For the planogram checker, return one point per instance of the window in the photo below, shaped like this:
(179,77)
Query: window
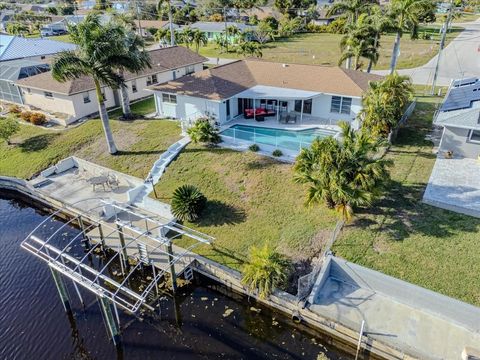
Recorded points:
(341,105)
(474,136)
(168,98)
(48,94)
(190,69)
(134,86)
(152,79)
(307,106)
(86,98)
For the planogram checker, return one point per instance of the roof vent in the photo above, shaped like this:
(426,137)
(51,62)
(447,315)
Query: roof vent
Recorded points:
(284,65)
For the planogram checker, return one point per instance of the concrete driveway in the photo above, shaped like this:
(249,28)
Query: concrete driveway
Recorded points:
(460,59)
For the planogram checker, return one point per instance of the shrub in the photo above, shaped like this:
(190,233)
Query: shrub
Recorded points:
(25,116)
(204,132)
(254,147)
(15,109)
(266,270)
(277,153)
(188,203)
(8,127)
(38,118)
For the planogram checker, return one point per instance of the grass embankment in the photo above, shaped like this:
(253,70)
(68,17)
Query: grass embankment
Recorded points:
(402,237)
(252,200)
(324,49)
(140,143)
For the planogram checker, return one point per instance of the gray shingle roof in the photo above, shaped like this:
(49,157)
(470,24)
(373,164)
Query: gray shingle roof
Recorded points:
(15,47)
(464,118)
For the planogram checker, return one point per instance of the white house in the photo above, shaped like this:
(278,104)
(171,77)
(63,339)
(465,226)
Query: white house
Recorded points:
(76,99)
(459,115)
(256,90)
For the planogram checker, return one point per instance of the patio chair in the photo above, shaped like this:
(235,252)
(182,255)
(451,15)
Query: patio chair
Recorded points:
(292,119)
(283,119)
(112,181)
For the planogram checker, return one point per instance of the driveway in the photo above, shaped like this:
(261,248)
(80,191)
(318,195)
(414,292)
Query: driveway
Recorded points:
(460,59)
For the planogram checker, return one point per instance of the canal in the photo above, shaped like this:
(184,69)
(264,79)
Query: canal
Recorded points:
(206,321)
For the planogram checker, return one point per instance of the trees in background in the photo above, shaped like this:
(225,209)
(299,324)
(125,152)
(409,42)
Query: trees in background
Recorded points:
(199,39)
(16,28)
(8,127)
(345,173)
(186,36)
(249,48)
(384,104)
(265,270)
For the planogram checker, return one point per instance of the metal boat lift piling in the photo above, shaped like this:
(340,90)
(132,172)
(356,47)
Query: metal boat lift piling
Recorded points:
(138,239)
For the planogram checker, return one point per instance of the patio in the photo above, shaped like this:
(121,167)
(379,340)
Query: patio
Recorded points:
(455,185)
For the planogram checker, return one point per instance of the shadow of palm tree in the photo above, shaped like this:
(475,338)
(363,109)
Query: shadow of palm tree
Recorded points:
(36,143)
(218,213)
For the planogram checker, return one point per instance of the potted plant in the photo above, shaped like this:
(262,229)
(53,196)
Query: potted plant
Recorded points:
(449,154)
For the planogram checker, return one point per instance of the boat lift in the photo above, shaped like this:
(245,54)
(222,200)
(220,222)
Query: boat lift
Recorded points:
(138,239)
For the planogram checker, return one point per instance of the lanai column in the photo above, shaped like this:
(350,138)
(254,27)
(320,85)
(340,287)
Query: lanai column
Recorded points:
(301,113)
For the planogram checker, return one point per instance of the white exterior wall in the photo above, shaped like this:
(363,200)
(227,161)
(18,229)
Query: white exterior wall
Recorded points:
(187,107)
(456,140)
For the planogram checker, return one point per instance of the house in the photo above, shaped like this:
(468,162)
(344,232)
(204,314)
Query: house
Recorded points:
(214,29)
(148,26)
(35,49)
(315,94)
(459,115)
(6,16)
(76,99)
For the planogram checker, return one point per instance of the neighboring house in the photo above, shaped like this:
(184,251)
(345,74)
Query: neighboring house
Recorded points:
(6,16)
(11,71)
(261,12)
(214,29)
(318,93)
(323,18)
(62,23)
(76,99)
(35,49)
(459,115)
(145,25)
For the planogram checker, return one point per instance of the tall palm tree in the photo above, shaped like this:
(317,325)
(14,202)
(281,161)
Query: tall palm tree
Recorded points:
(379,22)
(405,14)
(230,32)
(343,173)
(134,46)
(165,6)
(199,38)
(351,9)
(99,55)
(162,35)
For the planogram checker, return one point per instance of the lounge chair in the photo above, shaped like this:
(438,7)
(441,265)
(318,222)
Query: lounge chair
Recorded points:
(112,181)
(292,119)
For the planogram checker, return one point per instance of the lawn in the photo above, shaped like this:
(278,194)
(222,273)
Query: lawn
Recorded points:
(407,239)
(323,49)
(252,200)
(140,143)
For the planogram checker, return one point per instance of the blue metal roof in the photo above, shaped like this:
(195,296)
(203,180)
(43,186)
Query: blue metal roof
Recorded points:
(462,94)
(15,47)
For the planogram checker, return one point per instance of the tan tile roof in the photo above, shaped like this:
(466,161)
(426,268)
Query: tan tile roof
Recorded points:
(162,60)
(224,81)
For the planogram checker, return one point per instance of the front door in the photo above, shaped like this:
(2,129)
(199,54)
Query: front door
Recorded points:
(227,104)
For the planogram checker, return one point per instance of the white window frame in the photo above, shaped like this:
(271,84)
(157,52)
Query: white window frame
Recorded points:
(48,94)
(134,86)
(341,104)
(190,69)
(86,98)
(167,98)
(470,134)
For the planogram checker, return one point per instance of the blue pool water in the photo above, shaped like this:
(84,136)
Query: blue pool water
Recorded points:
(281,138)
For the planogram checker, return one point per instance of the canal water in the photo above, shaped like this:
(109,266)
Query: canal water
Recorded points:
(206,321)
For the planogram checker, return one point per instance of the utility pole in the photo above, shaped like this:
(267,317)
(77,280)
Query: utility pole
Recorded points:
(170,23)
(138,18)
(442,45)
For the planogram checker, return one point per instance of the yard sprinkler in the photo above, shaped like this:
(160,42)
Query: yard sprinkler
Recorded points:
(150,180)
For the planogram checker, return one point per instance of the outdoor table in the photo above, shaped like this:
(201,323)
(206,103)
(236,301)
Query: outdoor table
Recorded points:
(98,180)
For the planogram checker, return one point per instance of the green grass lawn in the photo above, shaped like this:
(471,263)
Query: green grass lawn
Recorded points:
(252,200)
(140,143)
(323,49)
(407,239)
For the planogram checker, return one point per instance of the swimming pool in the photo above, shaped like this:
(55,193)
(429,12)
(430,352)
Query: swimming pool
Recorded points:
(278,138)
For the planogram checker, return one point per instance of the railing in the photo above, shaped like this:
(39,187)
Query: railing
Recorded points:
(258,137)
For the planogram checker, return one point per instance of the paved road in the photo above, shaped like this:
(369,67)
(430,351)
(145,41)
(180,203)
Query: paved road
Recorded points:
(461,58)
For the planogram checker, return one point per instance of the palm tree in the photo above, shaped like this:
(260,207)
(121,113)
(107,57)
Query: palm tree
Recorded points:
(165,6)
(100,54)
(204,132)
(229,34)
(199,38)
(351,9)
(17,28)
(186,36)
(162,35)
(134,46)
(265,270)
(379,22)
(384,104)
(358,42)
(249,48)
(405,14)
(343,173)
